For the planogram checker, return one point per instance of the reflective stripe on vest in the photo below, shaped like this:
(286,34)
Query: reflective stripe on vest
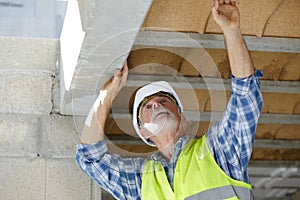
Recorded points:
(196,176)
(225,192)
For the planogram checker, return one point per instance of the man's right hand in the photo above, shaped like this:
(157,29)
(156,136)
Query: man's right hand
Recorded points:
(113,86)
(93,131)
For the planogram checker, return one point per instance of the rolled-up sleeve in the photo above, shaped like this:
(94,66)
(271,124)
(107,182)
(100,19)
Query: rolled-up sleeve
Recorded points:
(90,152)
(231,138)
(119,176)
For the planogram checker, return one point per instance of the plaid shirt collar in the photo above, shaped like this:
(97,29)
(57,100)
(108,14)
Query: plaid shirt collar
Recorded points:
(178,147)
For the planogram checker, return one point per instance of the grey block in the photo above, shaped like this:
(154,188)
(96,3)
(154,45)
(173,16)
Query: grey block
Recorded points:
(28,53)
(26,93)
(66,181)
(22,179)
(18,135)
(59,136)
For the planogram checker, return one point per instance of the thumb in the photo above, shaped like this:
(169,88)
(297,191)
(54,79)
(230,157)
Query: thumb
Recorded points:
(215,7)
(215,4)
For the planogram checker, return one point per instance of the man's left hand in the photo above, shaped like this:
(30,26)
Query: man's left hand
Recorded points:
(226,14)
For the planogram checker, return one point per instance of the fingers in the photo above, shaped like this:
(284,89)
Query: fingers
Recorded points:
(220,6)
(232,2)
(120,76)
(220,2)
(122,73)
(125,69)
(117,77)
(125,72)
(215,3)
(227,2)
(116,83)
(215,7)
(117,73)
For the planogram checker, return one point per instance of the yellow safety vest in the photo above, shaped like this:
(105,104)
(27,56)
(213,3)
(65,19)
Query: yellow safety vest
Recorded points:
(196,176)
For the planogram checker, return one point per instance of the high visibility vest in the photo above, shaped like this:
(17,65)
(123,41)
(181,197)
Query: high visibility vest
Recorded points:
(196,176)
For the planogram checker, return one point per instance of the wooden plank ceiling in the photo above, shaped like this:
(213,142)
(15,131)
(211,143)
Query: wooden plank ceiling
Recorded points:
(274,18)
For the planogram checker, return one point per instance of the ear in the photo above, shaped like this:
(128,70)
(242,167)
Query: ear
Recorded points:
(183,117)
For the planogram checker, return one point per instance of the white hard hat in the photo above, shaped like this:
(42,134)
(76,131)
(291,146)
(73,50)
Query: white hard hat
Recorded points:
(146,91)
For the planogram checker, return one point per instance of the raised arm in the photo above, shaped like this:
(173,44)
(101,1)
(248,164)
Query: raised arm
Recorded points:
(231,138)
(226,15)
(93,130)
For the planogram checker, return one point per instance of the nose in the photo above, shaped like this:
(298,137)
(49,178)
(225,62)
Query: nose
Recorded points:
(155,104)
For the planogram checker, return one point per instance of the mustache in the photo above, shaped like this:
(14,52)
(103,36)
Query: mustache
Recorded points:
(158,111)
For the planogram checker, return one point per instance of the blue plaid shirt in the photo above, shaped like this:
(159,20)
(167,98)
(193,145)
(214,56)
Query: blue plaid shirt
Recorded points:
(230,141)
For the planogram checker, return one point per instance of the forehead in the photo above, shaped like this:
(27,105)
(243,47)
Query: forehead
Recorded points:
(157,96)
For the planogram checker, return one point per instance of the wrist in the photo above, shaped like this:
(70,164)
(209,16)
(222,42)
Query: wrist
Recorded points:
(231,31)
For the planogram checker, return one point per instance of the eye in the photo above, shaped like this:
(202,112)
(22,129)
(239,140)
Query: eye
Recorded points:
(163,101)
(148,106)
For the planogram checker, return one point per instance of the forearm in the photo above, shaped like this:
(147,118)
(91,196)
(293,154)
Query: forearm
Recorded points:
(241,63)
(93,130)
(226,15)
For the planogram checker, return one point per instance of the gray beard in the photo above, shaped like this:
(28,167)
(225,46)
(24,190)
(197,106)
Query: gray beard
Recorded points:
(157,126)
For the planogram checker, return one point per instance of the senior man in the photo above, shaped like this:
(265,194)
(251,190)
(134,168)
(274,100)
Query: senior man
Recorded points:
(212,167)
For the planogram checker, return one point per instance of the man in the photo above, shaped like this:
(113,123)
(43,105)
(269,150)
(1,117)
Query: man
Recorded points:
(212,167)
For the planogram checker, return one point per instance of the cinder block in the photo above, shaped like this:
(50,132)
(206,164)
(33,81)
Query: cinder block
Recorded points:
(22,178)
(98,193)
(26,93)
(56,94)
(59,136)
(66,181)
(2,81)
(28,53)
(18,135)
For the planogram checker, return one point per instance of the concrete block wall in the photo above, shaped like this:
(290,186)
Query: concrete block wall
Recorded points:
(37,144)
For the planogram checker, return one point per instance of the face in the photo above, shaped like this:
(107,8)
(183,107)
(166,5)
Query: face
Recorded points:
(159,115)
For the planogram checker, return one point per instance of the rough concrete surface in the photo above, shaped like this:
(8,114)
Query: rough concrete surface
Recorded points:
(37,144)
